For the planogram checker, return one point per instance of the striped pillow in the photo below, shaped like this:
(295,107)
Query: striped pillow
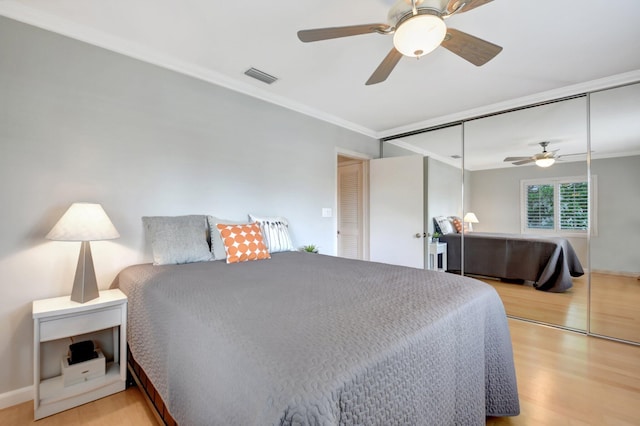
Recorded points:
(275,231)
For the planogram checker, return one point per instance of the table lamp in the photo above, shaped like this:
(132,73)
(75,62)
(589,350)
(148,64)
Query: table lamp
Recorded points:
(84,222)
(470,218)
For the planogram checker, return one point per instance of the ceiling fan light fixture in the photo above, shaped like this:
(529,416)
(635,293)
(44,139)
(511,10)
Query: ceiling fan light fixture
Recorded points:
(419,35)
(545,162)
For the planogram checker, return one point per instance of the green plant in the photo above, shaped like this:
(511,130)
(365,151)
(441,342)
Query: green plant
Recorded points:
(311,248)
(436,235)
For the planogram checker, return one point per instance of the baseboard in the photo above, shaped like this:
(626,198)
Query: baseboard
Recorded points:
(15,397)
(618,273)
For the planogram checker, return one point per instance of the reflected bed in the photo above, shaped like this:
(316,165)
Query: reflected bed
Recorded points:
(548,262)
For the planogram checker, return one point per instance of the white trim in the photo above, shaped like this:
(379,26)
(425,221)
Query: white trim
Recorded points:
(617,273)
(352,154)
(15,397)
(575,89)
(33,16)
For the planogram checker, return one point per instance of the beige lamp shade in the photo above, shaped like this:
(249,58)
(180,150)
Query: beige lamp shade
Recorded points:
(83,222)
(470,218)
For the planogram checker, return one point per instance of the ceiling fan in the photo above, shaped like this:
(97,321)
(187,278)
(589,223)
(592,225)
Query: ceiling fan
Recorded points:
(543,159)
(417,30)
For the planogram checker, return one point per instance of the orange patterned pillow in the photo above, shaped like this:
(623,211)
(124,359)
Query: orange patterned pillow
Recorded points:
(243,242)
(457,223)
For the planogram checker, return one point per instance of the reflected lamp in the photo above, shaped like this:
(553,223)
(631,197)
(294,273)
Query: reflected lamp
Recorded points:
(470,218)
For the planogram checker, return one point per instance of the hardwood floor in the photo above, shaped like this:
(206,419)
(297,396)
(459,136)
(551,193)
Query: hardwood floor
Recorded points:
(614,310)
(614,307)
(564,378)
(568,309)
(127,408)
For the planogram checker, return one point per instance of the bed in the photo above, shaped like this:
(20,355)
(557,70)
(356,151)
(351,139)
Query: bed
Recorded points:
(312,339)
(550,263)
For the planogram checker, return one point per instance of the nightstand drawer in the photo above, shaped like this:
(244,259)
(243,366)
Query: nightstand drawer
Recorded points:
(70,325)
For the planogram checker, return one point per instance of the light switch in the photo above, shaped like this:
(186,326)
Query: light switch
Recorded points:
(326,212)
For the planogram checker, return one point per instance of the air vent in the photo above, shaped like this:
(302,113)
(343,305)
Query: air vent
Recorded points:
(261,75)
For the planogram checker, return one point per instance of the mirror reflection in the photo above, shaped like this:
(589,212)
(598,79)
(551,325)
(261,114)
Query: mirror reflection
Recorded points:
(615,241)
(442,182)
(528,192)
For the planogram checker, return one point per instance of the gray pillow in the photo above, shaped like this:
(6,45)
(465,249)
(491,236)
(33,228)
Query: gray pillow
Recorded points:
(217,246)
(177,239)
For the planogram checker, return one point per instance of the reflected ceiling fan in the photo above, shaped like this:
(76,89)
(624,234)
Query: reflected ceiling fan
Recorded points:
(417,30)
(543,159)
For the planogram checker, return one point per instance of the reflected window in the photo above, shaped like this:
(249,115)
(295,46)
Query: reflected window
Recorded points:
(556,206)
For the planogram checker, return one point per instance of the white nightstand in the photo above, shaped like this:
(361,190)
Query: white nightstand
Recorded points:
(60,318)
(434,250)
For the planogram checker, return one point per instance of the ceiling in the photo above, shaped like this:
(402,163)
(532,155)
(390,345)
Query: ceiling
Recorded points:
(551,49)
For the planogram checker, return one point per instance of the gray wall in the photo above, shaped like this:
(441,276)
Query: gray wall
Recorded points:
(616,248)
(444,194)
(79,123)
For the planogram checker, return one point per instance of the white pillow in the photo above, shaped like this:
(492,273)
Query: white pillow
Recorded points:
(275,231)
(217,245)
(445,225)
(177,239)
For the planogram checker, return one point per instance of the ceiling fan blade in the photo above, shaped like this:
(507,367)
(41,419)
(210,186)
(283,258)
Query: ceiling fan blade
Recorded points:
(470,48)
(571,155)
(337,32)
(512,159)
(470,5)
(384,69)
(527,161)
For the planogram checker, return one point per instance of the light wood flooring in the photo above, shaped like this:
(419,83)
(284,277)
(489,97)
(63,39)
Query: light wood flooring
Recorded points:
(614,305)
(564,378)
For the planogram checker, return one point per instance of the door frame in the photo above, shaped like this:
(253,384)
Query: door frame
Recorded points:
(364,159)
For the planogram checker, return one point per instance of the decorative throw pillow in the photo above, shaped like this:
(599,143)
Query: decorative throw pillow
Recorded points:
(444,224)
(177,239)
(457,223)
(217,246)
(275,231)
(243,242)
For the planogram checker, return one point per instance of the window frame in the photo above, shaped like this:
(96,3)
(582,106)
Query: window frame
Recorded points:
(556,182)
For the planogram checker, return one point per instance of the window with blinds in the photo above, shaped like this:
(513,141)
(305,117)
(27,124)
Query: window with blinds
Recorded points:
(559,205)
(574,206)
(540,207)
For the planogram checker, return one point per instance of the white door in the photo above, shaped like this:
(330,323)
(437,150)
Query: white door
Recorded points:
(350,208)
(396,209)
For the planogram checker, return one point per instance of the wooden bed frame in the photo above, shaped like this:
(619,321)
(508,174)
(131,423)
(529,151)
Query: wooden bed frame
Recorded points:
(152,397)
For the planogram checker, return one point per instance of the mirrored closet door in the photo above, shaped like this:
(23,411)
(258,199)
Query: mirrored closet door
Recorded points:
(615,239)
(519,197)
(441,152)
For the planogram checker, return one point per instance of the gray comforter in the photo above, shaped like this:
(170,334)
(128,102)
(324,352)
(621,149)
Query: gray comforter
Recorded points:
(311,339)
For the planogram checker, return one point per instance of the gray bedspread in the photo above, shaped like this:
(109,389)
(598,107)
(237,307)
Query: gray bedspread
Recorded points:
(548,262)
(306,339)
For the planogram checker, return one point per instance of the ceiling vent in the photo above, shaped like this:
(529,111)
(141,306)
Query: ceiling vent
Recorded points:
(261,75)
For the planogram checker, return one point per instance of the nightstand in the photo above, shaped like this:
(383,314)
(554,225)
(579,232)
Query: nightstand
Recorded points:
(60,318)
(436,249)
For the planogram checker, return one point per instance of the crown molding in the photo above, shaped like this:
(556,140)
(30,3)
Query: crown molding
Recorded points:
(32,16)
(49,22)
